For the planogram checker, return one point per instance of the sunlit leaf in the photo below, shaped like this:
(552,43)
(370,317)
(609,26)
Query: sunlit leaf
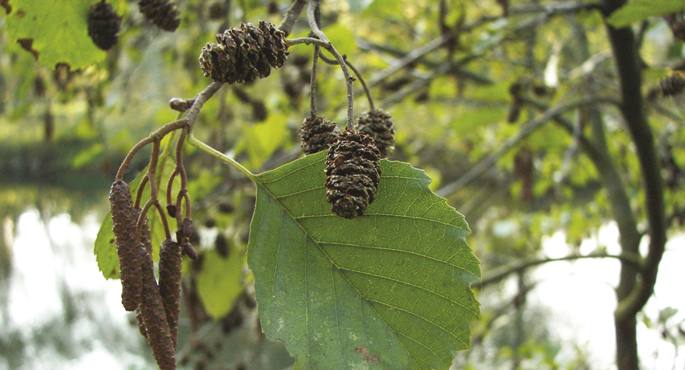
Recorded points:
(59,32)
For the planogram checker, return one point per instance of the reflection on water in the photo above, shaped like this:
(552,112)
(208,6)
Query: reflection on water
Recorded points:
(57,311)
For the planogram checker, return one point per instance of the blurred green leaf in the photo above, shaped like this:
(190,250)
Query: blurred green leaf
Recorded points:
(218,282)
(637,10)
(59,31)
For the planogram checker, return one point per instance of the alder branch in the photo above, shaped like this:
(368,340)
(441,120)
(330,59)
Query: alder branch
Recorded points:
(498,274)
(291,16)
(311,18)
(357,74)
(528,128)
(632,107)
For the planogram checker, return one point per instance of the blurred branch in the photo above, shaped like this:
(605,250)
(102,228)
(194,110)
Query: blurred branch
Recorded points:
(291,16)
(632,107)
(498,274)
(457,70)
(528,128)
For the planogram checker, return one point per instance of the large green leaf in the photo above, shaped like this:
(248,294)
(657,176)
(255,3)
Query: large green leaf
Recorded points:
(637,10)
(58,30)
(386,290)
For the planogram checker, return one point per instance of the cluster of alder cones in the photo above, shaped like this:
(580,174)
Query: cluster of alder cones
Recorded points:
(104,23)
(248,52)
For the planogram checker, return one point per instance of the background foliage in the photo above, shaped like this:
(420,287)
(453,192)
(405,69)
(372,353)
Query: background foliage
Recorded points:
(67,118)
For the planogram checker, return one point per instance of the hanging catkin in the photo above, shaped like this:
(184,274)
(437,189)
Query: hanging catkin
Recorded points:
(124,218)
(155,319)
(170,282)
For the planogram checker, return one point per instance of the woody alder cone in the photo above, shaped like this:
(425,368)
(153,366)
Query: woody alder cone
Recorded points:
(316,134)
(124,218)
(245,53)
(352,173)
(103,25)
(673,84)
(378,124)
(162,13)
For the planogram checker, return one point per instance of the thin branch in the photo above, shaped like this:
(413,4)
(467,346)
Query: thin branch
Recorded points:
(357,74)
(155,135)
(199,101)
(486,163)
(311,17)
(291,16)
(312,81)
(499,274)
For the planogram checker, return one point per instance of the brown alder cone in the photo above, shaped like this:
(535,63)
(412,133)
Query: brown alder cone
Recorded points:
(162,13)
(103,25)
(378,124)
(316,134)
(124,218)
(245,53)
(352,173)
(170,282)
(155,319)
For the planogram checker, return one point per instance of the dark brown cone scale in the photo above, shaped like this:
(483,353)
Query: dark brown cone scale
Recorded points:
(124,218)
(352,173)
(155,319)
(170,282)
(162,13)
(378,124)
(245,53)
(103,25)
(316,134)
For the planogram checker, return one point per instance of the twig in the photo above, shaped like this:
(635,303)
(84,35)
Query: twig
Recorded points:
(499,274)
(312,82)
(200,100)
(291,16)
(155,135)
(311,17)
(357,74)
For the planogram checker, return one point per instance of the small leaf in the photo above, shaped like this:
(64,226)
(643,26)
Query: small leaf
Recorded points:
(58,32)
(387,290)
(105,250)
(637,10)
(218,283)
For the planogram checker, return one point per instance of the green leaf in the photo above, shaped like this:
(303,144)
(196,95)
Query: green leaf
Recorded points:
(637,10)
(387,290)
(105,251)
(59,31)
(218,283)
